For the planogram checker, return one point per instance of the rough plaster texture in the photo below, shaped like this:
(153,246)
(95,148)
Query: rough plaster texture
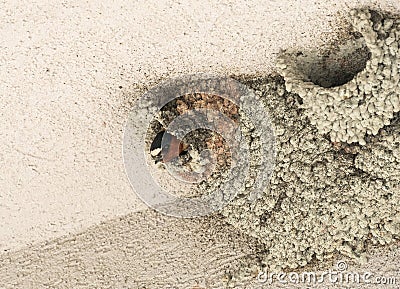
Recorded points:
(66,71)
(62,111)
(145,250)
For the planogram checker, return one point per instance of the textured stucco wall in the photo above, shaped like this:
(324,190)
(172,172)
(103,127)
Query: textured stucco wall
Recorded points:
(66,72)
(61,69)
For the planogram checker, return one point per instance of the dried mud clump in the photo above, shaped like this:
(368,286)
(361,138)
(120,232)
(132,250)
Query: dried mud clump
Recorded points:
(335,185)
(381,157)
(323,199)
(354,91)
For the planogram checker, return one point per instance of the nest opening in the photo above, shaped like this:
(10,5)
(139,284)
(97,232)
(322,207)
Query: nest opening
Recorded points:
(336,67)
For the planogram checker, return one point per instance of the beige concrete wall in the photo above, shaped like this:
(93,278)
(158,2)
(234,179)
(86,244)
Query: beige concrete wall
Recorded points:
(66,72)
